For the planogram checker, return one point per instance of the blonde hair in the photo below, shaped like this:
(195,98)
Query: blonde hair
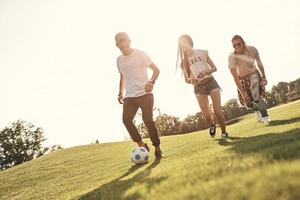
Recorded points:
(121,34)
(182,61)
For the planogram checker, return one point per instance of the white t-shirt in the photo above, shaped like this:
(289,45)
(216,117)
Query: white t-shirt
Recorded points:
(245,63)
(133,68)
(198,63)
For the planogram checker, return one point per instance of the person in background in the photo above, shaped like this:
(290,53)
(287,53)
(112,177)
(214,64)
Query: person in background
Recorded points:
(250,80)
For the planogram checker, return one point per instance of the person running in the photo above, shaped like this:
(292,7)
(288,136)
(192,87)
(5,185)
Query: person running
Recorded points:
(132,65)
(249,79)
(197,68)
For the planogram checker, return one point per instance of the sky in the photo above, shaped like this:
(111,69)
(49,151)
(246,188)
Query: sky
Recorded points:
(58,58)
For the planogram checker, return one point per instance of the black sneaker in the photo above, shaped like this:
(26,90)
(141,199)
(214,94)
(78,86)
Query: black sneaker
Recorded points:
(224,135)
(212,130)
(146,147)
(158,154)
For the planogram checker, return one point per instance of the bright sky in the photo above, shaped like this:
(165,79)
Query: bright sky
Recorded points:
(58,58)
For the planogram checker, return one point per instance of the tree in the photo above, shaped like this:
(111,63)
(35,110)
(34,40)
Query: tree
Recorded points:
(20,143)
(51,149)
(271,99)
(297,86)
(281,91)
(191,123)
(168,125)
(232,109)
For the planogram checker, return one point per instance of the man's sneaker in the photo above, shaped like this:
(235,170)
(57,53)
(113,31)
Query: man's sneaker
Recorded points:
(266,120)
(258,116)
(158,154)
(212,130)
(146,147)
(224,135)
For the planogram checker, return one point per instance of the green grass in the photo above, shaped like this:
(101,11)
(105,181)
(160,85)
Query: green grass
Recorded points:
(257,162)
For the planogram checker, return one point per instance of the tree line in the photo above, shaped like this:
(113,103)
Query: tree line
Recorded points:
(166,124)
(22,141)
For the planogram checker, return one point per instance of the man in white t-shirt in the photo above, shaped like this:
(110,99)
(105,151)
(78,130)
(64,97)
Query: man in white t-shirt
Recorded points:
(132,66)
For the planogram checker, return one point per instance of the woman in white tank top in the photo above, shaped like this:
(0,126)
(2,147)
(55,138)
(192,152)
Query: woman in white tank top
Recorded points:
(197,68)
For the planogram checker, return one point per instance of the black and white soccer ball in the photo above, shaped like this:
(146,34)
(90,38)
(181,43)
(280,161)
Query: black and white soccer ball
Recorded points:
(139,155)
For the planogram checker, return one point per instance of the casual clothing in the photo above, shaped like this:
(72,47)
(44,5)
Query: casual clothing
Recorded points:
(253,86)
(198,63)
(250,79)
(245,63)
(130,107)
(256,91)
(134,70)
(206,86)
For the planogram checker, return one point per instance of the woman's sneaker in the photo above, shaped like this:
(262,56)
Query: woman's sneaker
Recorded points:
(224,135)
(212,130)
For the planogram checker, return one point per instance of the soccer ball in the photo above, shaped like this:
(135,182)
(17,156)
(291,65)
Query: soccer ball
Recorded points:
(139,155)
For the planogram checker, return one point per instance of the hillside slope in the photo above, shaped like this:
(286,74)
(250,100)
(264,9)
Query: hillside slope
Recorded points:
(256,162)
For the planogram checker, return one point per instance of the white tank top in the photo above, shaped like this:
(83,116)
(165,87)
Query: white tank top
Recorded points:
(198,63)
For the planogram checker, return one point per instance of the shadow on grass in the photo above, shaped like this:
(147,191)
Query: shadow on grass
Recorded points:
(118,187)
(274,146)
(284,121)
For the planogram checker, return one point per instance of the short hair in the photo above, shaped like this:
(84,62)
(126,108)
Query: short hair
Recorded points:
(121,34)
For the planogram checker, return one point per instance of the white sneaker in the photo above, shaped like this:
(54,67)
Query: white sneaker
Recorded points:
(258,116)
(266,120)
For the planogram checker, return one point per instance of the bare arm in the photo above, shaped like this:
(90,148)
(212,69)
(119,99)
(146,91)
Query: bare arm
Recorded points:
(261,69)
(212,66)
(186,72)
(239,85)
(121,84)
(150,83)
(186,77)
(121,89)
(236,79)
(156,72)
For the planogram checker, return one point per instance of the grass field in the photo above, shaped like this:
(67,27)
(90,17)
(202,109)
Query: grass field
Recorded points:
(256,162)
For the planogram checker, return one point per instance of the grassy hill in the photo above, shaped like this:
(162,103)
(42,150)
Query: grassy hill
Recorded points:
(256,162)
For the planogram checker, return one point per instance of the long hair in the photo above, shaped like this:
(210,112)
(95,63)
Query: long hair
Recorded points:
(238,37)
(182,60)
